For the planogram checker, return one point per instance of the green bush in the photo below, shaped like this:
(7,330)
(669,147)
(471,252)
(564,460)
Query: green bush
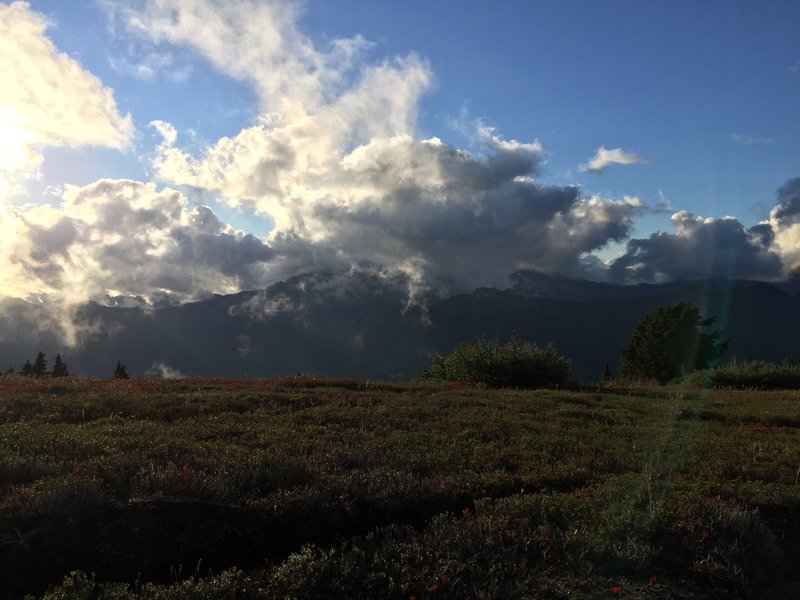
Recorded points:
(516,364)
(758,375)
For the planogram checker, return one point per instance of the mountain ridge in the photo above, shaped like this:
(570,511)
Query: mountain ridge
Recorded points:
(364,324)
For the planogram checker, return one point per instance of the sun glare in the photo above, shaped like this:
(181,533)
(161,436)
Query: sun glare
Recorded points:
(15,141)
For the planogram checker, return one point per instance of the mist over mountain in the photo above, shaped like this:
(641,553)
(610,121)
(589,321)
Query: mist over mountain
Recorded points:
(362,323)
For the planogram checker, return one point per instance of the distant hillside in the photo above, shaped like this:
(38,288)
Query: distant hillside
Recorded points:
(361,325)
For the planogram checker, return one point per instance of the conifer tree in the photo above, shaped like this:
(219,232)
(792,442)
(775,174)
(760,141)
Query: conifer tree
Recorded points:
(27,369)
(39,368)
(121,372)
(10,370)
(668,343)
(59,368)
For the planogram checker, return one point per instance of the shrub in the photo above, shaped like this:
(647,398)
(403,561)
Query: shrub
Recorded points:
(757,374)
(516,364)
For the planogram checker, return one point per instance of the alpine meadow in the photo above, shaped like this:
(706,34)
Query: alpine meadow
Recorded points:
(399,300)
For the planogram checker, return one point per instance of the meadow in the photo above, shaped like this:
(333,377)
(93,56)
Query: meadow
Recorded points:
(306,488)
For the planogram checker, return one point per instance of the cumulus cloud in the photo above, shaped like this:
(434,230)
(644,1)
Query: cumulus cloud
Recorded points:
(605,157)
(784,220)
(749,140)
(120,238)
(336,163)
(46,99)
(700,248)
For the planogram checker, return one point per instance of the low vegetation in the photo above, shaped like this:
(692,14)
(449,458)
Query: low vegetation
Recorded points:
(752,375)
(516,364)
(304,488)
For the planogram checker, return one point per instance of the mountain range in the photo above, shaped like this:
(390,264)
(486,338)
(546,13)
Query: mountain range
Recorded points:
(367,325)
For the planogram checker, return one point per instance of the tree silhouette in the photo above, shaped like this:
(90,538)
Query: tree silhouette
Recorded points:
(10,370)
(59,368)
(607,373)
(121,372)
(39,366)
(27,369)
(668,343)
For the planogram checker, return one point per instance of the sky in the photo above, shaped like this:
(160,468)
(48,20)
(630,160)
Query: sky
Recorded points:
(163,151)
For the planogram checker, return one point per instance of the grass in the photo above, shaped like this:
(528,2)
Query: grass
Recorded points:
(304,488)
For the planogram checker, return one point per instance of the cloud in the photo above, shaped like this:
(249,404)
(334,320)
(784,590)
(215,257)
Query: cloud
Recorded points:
(47,99)
(717,248)
(161,370)
(254,41)
(795,68)
(784,220)
(468,218)
(749,140)
(121,238)
(336,163)
(149,65)
(605,157)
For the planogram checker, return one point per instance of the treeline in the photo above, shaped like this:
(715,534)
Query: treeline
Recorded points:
(39,368)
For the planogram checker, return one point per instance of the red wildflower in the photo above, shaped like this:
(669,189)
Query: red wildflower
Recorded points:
(465,511)
(616,589)
(506,517)
(434,587)
(652,579)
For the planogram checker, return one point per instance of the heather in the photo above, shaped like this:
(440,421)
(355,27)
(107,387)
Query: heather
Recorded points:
(311,488)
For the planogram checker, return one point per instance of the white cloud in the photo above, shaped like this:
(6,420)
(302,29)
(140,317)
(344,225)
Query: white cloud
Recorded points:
(336,163)
(784,220)
(149,65)
(605,157)
(749,140)
(47,99)
(168,133)
(251,40)
(161,370)
(124,238)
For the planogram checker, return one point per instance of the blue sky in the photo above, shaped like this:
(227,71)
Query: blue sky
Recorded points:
(699,101)
(670,80)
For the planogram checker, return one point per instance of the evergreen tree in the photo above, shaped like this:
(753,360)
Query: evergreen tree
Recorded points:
(27,369)
(39,366)
(59,368)
(607,373)
(10,370)
(668,343)
(121,372)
